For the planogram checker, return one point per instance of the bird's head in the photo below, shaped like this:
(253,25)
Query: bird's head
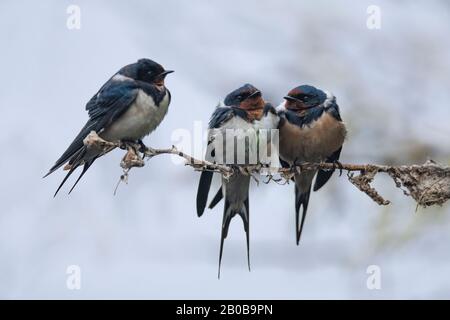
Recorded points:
(247,98)
(304,97)
(146,70)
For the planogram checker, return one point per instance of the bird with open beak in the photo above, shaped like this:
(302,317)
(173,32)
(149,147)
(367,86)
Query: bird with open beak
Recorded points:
(129,106)
(311,130)
(238,118)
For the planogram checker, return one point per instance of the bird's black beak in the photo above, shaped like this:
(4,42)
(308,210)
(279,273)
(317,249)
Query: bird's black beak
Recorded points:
(289,98)
(165,73)
(257,93)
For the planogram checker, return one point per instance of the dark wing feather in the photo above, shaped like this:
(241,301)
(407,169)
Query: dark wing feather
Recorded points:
(203,190)
(220,116)
(205,181)
(284,164)
(105,107)
(216,199)
(111,102)
(324,175)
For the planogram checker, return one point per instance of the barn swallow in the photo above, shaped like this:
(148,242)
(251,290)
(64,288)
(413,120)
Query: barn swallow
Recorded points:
(242,109)
(311,130)
(129,106)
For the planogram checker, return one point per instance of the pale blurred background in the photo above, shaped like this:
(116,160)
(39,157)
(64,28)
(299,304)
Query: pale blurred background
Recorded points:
(392,85)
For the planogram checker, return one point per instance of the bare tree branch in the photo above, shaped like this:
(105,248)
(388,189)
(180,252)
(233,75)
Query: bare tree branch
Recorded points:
(428,184)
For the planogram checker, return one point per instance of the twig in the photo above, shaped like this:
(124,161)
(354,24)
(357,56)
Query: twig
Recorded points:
(428,184)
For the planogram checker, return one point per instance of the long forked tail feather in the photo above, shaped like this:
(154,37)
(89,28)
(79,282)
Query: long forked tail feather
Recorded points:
(245,219)
(75,162)
(301,200)
(85,168)
(65,179)
(75,149)
(228,214)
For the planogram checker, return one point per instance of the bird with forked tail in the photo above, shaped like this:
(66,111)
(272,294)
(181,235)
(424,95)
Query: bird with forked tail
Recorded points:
(234,122)
(129,106)
(311,130)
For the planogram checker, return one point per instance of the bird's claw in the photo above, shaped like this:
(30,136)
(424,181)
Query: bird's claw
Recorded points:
(142,146)
(338,164)
(126,144)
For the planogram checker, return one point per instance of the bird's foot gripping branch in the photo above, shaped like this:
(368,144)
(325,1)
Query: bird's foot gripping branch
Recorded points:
(136,153)
(428,184)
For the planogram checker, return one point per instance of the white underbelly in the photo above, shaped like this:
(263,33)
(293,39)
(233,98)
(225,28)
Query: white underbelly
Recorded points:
(141,118)
(238,142)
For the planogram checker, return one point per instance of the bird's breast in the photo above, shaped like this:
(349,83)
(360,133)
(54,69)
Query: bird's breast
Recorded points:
(141,118)
(314,142)
(236,142)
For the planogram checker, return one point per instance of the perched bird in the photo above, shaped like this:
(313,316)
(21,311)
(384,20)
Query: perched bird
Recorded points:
(239,117)
(311,130)
(129,106)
